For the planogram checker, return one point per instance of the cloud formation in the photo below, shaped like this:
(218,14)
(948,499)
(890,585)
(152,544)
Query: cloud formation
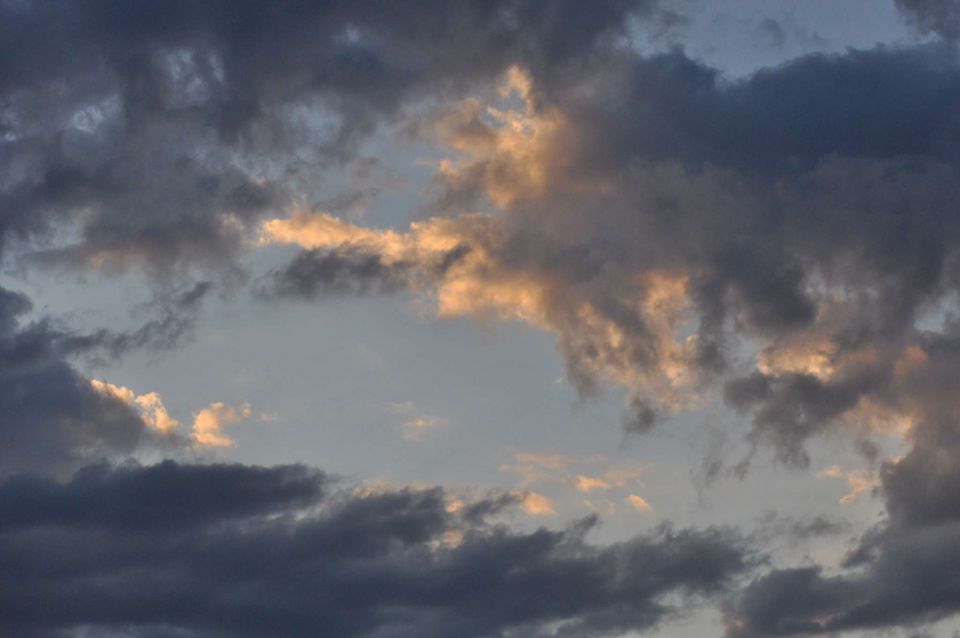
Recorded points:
(156,136)
(937,16)
(778,234)
(54,419)
(786,242)
(218,550)
(657,258)
(887,575)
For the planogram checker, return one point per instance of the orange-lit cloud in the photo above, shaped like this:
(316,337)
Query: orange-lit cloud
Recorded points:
(586,484)
(858,481)
(639,503)
(537,505)
(208,423)
(149,406)
(629,330)
(483,282)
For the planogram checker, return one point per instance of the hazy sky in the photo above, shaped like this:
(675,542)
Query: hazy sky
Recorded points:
(505,318)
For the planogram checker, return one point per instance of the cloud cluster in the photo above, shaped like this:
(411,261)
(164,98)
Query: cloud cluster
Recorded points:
(937,16)
(789,239)
(904,570)
(155,136)
(231,550)
(663,221)
(53,418)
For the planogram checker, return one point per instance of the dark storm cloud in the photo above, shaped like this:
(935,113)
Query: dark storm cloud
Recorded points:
(249,551)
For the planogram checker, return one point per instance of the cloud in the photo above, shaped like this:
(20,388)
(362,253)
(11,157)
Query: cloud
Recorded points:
(54,418)
(190,544)
(639,503)
(644,209)
(602,482)
(537,504)
(150,405)
(887,573)
(937,16)
(463,260)
(208,423)
(157,138)
(594,472)
(165,498)
(659,218)
(789,238)
(778,237)
(586,484)
(795,531)
(859,482)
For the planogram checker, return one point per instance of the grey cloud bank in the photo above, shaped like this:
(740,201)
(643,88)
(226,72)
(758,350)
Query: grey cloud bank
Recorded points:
(217,550)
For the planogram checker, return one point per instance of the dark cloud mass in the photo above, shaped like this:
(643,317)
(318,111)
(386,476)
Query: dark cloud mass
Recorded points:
(903,571)
(52,418)
(230,550)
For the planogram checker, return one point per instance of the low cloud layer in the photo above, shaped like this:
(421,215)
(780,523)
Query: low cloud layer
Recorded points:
(230,550)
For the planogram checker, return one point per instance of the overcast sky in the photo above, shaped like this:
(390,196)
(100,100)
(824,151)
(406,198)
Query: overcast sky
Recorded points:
(502,318)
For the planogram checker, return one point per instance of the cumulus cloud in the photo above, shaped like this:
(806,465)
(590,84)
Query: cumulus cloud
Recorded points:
(208,423)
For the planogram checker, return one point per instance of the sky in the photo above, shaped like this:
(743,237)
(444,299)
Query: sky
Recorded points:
(500,318)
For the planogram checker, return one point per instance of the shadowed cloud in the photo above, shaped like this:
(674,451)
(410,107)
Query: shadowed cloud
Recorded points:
(247,551)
